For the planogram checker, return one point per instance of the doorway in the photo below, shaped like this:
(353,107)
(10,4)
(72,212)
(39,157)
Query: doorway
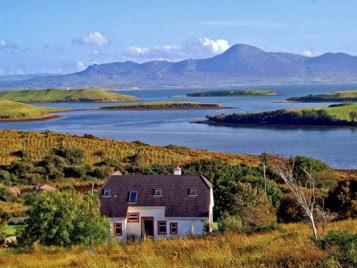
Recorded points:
(147,227)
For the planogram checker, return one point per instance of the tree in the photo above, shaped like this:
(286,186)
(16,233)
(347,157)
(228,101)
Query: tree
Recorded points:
(64,218)
(304,197)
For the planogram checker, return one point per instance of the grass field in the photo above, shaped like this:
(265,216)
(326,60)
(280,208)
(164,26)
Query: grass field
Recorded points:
(38,145)
(288,246)
(62,95)
(342,112)
(346,95)
(11,110)
(233,92)
(162,105)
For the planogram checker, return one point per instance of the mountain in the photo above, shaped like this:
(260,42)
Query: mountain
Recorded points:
(240,64)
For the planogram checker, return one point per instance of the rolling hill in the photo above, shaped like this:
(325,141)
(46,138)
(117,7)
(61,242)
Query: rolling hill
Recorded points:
(63,95)
(240,64)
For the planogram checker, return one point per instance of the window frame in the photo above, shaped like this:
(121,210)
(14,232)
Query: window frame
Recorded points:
(158,228)
(155,193)
(129,214)
(136,196)
(192,192)
(116,225)
(176,226)
(106,191)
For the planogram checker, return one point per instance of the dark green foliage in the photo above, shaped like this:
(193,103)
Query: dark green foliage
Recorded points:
(230,223)
(20,153)
(5,177)
(343,199)
(281,117)
(64,218)
(74,172)
(225,179)
(151,170)
(318,169)
(6,195)
(141,143)
(73,155)
(342,246)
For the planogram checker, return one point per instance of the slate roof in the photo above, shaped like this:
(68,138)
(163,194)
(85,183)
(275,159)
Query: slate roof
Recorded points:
(175,197)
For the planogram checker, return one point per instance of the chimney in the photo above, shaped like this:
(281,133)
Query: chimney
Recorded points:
(177,171)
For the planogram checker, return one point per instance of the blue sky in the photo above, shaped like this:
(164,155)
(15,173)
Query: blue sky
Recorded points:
(68,35)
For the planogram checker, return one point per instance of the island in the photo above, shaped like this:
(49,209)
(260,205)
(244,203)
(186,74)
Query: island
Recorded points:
(65,95)
(232,93)
(162,105)
(343,115)
(339,96)
(17,111)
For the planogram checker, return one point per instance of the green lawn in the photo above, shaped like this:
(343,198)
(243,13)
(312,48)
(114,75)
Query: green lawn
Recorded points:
(63,95)
(343,111)
(11,110)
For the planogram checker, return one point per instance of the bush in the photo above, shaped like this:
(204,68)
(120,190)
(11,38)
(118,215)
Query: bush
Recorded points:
(5,177)
(75,172)
(317,168)
(342,246)
(343,199)
(230,223)
(73,155)
(6,195)
(63,218)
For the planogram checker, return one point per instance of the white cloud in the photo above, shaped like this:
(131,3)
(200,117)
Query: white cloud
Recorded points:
(93,38)
(7,45)
(191,48)
(245,24)
(311,53)
(80,65)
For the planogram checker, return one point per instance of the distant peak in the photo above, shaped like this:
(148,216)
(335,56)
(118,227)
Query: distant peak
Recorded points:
(243,48)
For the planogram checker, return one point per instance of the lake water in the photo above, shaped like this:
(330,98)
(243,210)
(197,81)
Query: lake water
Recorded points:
(336,146)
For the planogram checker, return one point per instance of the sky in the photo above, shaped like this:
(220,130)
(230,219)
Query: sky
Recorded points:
(62,36)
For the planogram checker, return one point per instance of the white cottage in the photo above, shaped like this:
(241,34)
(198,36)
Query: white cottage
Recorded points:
(141,206)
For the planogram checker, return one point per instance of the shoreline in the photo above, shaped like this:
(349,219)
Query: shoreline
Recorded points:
(256,125)
(13,120)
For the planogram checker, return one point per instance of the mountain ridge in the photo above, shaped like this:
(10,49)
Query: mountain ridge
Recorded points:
(240,64)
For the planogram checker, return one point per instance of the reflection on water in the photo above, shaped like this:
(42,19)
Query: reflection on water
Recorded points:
(338,147)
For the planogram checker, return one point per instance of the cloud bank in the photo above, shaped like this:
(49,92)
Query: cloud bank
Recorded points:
(93,39)
(191,48)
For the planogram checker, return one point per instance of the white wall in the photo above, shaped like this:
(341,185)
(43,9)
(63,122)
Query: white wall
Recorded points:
(186,225)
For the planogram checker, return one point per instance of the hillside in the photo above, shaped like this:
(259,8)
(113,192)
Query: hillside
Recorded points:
(63,95)
(288,246)
(232,92)
(162,105)
(11,110)
(38,145)
(339,96)
(240,64)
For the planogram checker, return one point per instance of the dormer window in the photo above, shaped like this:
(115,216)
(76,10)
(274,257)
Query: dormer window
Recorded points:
(106,193)
(192,192)
(133,196)
(157,192)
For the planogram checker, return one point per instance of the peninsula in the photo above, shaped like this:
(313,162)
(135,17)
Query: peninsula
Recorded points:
(64,95)
(17,111)
(339,96)
(232,93)
(162,105)
(343,115)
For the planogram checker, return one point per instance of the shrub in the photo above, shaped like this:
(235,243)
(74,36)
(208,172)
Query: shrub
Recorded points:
(5,177)
(342,246)
(343,199)
(73,155)
(64,218)
(6,195)
(317,168)
(230,223)
(75,172)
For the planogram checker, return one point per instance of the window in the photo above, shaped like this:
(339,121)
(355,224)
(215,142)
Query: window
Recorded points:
(161,227)
(118,229)
(106,193)
(192,192)
(157,192)
(133,217)
(173,228)
(133,196)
